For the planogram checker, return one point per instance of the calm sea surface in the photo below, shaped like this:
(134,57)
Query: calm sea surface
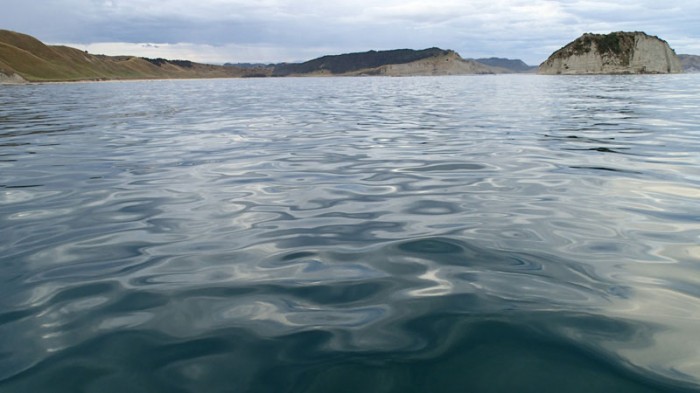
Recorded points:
(451,234)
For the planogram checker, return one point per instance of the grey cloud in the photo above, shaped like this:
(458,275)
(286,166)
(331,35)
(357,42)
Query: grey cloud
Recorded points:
(516,28)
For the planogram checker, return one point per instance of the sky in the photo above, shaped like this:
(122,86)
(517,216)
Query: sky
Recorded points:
(270,31)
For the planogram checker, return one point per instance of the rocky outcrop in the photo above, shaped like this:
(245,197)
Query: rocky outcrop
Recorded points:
(349,63)
(614,53)
(448,64)
(12,79)
(398,62)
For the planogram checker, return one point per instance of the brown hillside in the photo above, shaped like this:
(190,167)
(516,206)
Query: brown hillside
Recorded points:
(27,43)
(23,56)
(36,62)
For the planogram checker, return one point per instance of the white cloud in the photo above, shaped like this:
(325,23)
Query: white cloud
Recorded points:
(230,53)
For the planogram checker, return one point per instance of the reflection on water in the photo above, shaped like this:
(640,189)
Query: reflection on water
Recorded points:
(347,234)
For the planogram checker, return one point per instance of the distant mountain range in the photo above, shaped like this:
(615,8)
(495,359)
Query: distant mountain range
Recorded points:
(690,63)
(371,63)
(378,62)
(508,64)
(24,58)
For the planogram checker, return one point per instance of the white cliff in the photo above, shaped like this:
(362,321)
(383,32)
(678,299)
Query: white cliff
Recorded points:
(614,53)
(449,64)
(11,79)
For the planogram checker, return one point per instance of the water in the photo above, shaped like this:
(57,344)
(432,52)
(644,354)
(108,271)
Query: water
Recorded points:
(480,234)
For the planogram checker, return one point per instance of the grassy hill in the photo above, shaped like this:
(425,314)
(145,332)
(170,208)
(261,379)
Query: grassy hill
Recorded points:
(36,62)
(23,57)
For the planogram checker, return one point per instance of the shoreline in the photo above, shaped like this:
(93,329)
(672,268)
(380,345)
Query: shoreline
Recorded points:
(24,82)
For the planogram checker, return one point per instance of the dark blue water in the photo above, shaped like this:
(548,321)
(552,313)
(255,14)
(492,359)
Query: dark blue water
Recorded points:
(451,234)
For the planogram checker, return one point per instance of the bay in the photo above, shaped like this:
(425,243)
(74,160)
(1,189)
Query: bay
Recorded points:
(475,233)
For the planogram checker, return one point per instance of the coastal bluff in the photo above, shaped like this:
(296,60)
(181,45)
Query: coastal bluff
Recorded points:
(614,53)
(397,62)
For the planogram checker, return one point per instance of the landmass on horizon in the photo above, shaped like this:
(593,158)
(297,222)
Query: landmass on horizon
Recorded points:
(614,53)
(24,58)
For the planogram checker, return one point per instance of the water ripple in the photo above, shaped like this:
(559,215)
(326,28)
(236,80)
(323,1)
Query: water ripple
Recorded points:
(380,234)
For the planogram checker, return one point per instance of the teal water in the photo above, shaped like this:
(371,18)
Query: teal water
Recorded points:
(454,234)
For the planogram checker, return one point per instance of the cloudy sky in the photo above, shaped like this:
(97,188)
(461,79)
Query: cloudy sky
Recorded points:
(218,31)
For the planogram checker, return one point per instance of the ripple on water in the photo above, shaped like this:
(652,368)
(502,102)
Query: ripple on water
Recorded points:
(378,234)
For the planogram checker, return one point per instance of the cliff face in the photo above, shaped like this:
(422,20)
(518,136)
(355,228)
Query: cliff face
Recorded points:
(614,53)
(11,79)
(400,62)
(352,62)
(448,64)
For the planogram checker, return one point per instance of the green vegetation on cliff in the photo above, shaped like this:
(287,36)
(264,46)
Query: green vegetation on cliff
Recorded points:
(619,44)
(614,53)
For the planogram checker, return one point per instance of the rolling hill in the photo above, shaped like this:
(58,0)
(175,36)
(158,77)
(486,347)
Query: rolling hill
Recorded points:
(24,58)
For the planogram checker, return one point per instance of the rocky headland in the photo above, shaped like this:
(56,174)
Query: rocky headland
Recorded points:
(614,53)
(448,64)
(399,62)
